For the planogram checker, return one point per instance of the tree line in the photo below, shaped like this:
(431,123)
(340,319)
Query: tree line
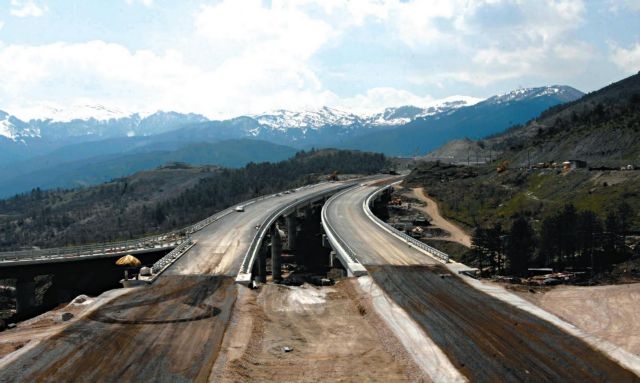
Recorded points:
(567,240)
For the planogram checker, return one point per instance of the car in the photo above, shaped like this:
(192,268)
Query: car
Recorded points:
(240,208)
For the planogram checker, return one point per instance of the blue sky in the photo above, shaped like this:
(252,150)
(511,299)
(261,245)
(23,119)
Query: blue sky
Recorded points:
(232,57)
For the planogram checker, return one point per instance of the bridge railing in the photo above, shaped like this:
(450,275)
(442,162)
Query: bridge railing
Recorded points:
(444,257)
(333,234)
(157,241)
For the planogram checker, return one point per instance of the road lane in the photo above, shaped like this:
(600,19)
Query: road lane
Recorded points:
(485,338)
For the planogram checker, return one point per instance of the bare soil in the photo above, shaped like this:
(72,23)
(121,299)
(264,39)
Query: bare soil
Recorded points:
(608,312)
(332,332)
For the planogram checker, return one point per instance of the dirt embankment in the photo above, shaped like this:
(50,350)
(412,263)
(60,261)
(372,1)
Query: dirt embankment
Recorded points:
(331,334)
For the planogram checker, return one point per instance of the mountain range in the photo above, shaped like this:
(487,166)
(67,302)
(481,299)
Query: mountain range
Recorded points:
(95,144)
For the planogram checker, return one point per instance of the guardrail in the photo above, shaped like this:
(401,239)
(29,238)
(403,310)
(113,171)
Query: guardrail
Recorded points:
(440,255)
(333,234)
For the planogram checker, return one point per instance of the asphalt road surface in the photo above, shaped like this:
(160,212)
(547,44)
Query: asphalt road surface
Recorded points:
(170,331)
(485,338)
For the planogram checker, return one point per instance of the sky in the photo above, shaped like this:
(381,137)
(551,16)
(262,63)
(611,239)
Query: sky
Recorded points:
(233,57)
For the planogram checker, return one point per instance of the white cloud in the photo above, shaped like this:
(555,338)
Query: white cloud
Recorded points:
(627,59)
(146,81)
(146,3)
(377,99)
(27,8)
(251,56)
(236,27)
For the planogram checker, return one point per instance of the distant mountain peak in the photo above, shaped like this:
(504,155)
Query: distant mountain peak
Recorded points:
(15,129)
(311,118)
(404,114)
(562,92)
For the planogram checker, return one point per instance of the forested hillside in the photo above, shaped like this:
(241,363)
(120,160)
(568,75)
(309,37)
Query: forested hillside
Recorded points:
(168,198)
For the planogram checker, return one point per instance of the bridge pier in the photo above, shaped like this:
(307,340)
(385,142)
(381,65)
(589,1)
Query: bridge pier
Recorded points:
(262,265)
(25,295)
(292,225)
(276,254)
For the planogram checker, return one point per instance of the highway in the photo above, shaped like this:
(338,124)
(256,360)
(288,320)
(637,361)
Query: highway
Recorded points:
(484,338)
(170,331)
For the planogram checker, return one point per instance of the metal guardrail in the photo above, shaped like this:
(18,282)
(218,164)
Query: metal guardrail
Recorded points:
(444,257)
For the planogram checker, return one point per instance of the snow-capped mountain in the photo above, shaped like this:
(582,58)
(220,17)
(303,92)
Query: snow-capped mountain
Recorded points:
(309,119)
(92,122)
(564,93)
(325,116)
(16,130)
(405,114)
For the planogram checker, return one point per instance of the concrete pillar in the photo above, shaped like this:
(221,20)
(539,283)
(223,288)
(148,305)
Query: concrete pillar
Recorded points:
(262,265)
(25,295)
(276,254)
(292,224)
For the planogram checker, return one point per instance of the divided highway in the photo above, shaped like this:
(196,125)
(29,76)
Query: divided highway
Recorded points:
(484,338)
(168,331)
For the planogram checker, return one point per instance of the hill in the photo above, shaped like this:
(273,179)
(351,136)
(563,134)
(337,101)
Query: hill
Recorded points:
(161,200)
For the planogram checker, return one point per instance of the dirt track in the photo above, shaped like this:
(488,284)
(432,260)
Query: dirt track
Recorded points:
(489,340)
(457,234)
(147,334)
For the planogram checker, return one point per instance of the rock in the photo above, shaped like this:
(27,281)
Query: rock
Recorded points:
(80,299)
(145,271)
